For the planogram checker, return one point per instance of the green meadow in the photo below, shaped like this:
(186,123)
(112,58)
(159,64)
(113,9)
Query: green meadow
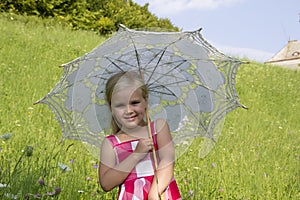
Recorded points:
(256,157)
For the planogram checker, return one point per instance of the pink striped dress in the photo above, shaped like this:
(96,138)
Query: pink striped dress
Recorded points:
(138,183)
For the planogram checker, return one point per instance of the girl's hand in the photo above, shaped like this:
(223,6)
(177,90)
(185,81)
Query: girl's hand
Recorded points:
(144,146)
(154,196)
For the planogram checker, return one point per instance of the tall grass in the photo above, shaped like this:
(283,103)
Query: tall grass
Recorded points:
(31,51)
(256,157)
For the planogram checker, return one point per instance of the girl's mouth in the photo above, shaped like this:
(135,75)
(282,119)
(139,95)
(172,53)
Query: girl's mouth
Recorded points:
(130,118)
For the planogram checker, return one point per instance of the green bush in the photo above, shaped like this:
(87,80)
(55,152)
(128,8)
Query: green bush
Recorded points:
(101,16)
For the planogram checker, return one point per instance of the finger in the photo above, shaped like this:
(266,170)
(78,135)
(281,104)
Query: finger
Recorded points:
(151,144)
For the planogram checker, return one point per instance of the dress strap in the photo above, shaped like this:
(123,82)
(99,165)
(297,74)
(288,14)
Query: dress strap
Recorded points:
(152,125)
(153,132)
(113,140)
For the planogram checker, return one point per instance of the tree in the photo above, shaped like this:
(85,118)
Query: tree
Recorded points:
(103,16)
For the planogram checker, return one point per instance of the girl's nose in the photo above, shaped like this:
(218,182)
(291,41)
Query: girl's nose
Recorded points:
(128,109)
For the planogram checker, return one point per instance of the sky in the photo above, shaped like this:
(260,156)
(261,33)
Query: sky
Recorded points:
(255,29)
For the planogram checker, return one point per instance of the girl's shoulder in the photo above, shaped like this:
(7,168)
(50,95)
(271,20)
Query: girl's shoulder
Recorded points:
(112,139)
(160,124)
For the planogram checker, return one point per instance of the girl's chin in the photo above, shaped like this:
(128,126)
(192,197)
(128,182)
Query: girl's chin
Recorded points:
(132,124)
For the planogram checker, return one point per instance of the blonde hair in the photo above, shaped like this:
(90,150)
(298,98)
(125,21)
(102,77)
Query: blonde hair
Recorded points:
(121,81)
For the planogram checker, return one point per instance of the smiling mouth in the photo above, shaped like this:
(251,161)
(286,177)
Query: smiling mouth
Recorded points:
(130,118)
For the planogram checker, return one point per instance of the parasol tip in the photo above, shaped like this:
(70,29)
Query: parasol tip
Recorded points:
(122,27)
(243,106)
(199,29)
(37,102)
(194,31)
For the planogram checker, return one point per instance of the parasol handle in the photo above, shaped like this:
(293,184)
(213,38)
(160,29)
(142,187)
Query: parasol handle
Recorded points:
(161,197)
(150,136)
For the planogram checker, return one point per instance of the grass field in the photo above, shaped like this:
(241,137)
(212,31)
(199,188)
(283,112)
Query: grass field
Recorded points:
(256,157)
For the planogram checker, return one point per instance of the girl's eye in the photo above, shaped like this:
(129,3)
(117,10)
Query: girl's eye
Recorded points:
(119,105)
(135,102)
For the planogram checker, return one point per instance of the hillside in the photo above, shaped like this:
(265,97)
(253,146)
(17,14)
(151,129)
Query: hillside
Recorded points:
(257,156)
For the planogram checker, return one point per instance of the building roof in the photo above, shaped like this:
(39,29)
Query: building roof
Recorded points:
(288,56)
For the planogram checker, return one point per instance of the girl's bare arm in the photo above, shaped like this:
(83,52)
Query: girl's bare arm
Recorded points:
(112,174)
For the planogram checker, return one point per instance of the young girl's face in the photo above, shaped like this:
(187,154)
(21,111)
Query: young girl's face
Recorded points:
(128,108)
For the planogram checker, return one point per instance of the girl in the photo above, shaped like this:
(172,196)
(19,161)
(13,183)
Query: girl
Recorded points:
(126,156)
